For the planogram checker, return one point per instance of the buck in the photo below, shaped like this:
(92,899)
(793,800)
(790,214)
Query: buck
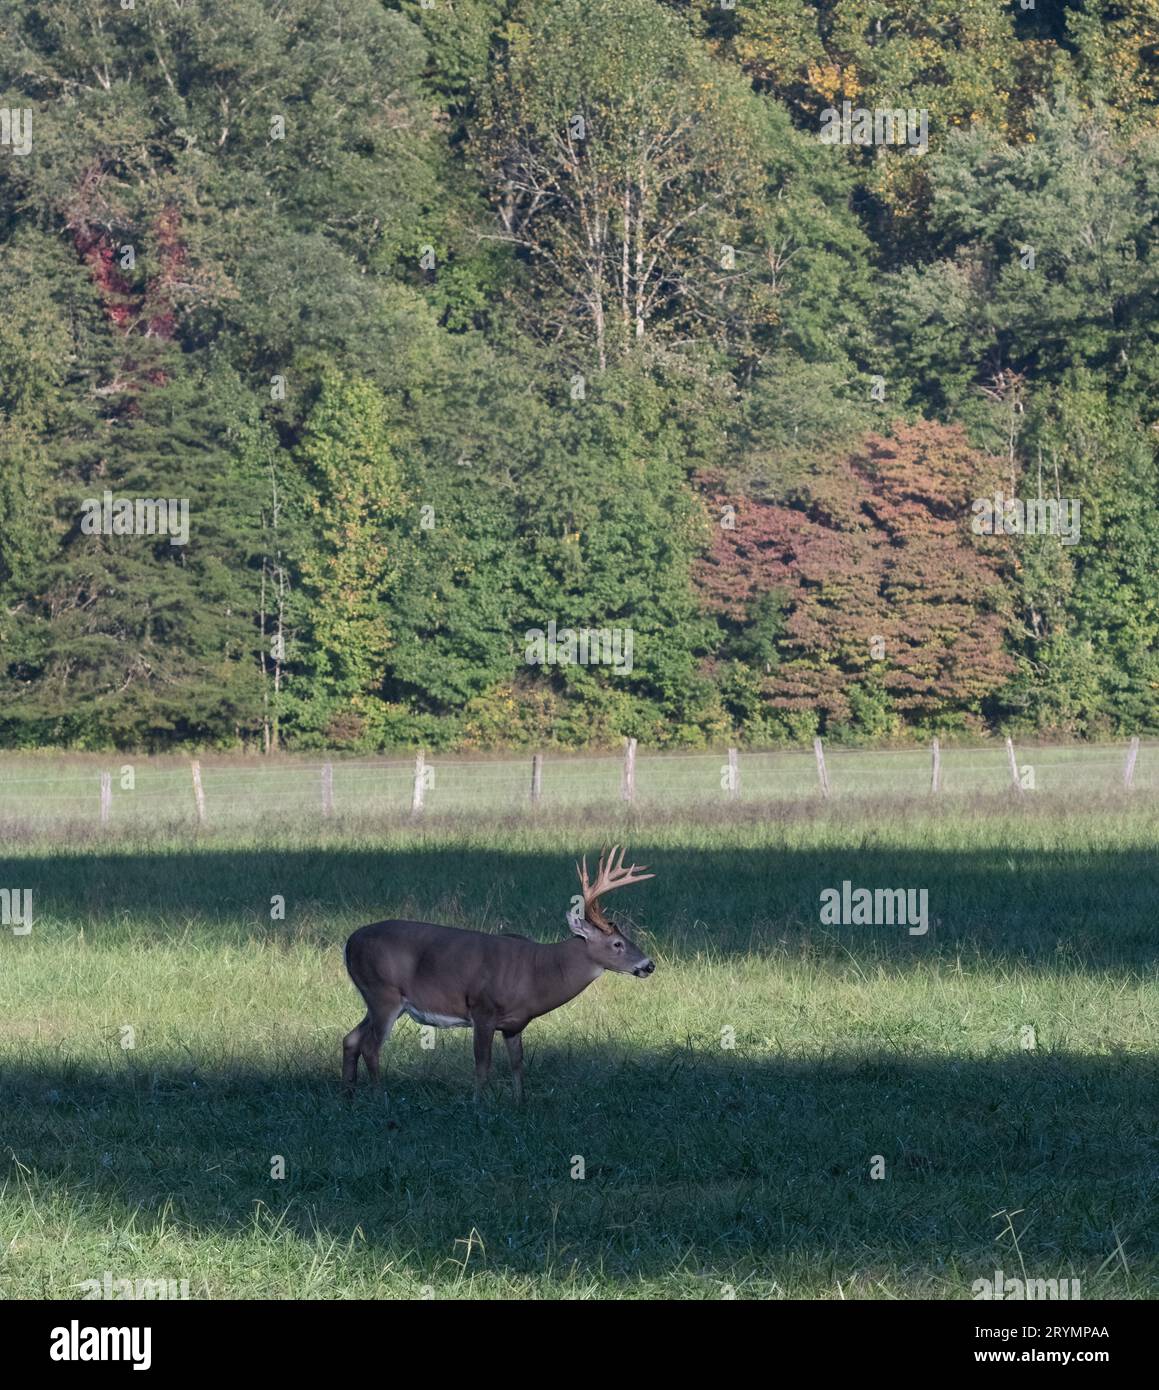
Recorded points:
(446,977)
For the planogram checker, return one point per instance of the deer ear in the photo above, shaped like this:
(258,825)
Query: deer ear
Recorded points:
(578,925)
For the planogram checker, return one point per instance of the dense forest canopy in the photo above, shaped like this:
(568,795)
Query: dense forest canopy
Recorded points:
(450,322)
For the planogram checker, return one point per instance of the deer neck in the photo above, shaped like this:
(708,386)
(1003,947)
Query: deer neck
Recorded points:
(565,970)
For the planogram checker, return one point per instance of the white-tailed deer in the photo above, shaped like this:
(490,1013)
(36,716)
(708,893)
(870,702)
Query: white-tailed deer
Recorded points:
(447,977)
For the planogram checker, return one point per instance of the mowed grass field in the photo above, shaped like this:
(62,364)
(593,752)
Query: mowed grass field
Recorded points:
(167,1047)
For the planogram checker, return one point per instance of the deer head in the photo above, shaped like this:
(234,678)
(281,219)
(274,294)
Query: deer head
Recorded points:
(607,946)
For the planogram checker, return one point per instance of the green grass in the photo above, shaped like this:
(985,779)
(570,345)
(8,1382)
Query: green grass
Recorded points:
(708,1168)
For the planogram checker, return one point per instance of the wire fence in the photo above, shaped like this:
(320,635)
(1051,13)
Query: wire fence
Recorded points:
(166,789)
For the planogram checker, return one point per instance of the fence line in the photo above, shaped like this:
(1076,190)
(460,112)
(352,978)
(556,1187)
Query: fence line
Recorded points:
(332,788)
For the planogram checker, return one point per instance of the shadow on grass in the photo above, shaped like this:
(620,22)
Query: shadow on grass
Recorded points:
(729,1167)
(1064,908)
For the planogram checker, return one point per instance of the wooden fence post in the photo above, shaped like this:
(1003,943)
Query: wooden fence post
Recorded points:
(733,774)
(536,778)
(822,775)
(418,795)
(936,774)
(198,792)
(628,775)
(1129,769)
(1013,765)
(327,789)
(106,796)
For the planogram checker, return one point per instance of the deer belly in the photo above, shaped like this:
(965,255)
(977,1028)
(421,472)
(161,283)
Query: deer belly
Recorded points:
(431,1020)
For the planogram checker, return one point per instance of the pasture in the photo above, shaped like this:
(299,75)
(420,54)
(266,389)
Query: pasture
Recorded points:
(168,1047)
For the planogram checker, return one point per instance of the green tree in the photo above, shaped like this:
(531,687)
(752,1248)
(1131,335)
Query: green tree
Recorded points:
(630,170)
(353,494)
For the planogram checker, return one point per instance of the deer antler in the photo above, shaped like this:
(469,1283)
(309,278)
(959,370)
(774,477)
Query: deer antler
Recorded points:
(609,877)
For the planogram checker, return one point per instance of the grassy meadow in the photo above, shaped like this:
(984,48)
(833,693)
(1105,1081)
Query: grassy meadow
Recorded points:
(167,1047)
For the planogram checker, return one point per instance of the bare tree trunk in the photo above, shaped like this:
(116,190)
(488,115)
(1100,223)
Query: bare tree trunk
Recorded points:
(625,260)
(598,320)
(281,651)
(265,671)
(278,654)
(640,259)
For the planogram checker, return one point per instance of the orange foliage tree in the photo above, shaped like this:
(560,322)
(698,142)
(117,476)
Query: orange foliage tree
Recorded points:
(891,611)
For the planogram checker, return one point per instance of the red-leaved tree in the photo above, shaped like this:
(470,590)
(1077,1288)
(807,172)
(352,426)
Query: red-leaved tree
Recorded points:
(883,586)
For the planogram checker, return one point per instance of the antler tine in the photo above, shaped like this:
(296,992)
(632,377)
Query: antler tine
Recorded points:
(604,872)
(610,875)
(617,876)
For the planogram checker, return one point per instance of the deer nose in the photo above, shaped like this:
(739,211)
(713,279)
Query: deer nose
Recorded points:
(645,969)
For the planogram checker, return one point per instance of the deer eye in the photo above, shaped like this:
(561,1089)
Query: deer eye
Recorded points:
(617,945)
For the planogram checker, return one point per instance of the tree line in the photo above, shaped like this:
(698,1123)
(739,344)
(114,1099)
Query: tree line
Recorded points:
(450,322)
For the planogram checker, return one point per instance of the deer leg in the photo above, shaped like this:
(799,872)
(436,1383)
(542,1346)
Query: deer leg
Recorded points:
(351,1051)
(514,1043)
(484,1037)
(383,1016)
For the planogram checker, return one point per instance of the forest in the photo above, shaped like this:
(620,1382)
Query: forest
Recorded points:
(446,324)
